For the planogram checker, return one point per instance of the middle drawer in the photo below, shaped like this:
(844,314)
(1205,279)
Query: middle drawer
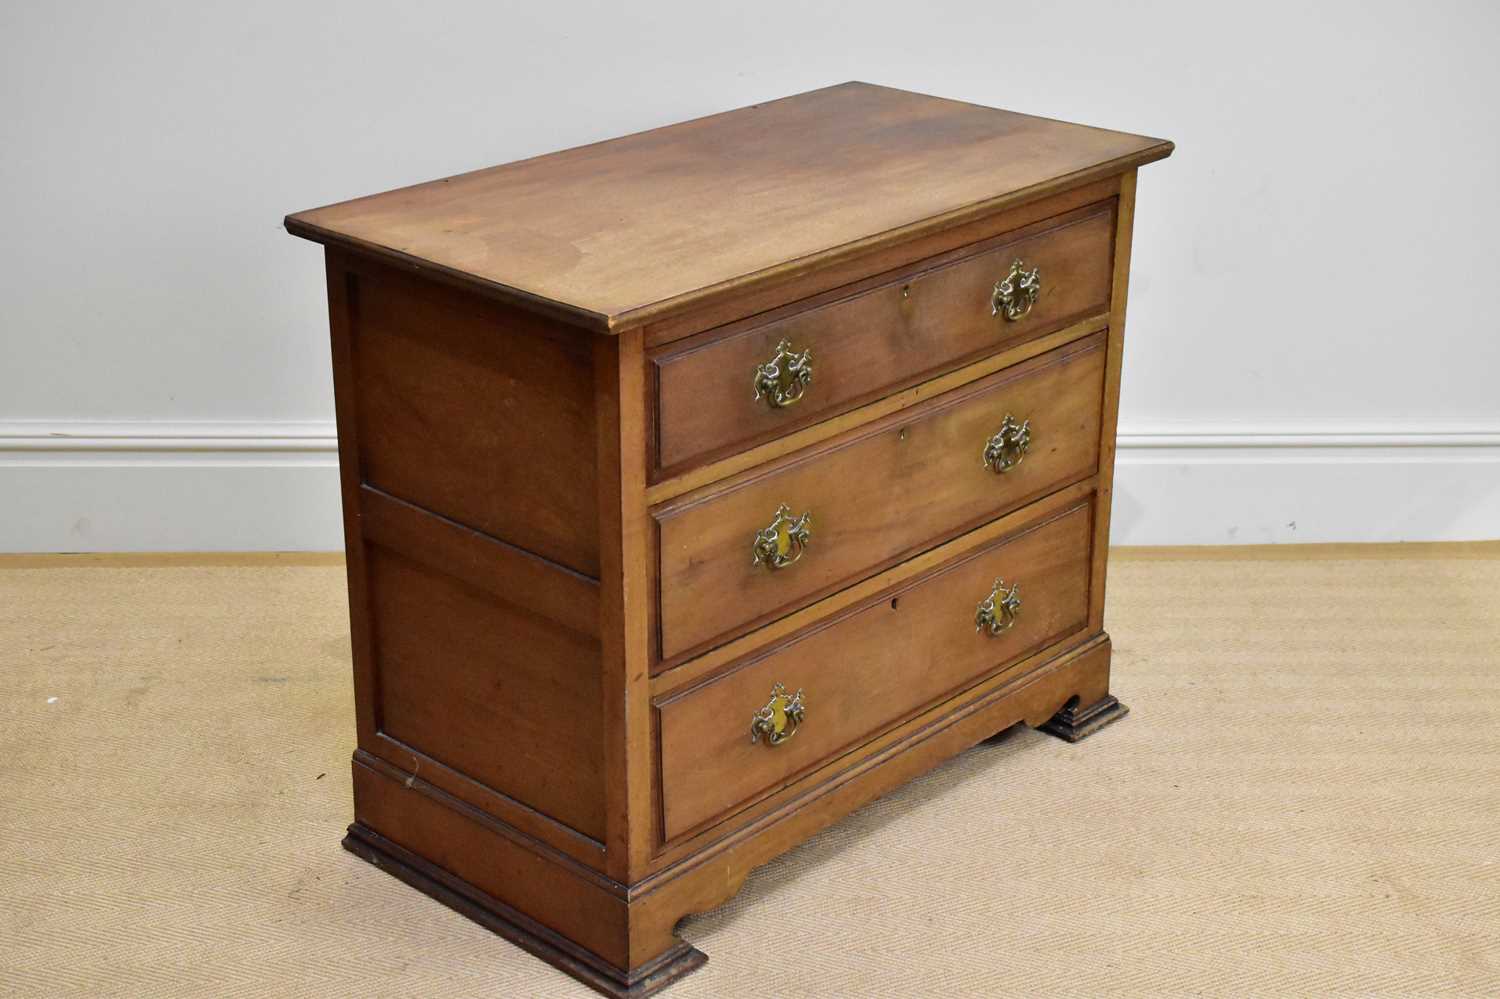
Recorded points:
(733,557)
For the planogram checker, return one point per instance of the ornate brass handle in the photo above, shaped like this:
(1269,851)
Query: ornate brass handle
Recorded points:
(782,380)
(779,720)
(783,541)
(1007,448)
(1017,293)
(999,610)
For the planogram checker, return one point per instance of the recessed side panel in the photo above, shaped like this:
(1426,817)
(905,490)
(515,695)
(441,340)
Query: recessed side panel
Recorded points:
(499,694)
(478,412)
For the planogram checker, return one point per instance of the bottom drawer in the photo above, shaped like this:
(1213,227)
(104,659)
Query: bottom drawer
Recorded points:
(869,666)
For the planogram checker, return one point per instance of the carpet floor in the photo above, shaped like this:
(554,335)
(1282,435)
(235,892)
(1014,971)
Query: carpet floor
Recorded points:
(1305,799)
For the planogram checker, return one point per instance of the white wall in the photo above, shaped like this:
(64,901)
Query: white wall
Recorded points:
(1312,349)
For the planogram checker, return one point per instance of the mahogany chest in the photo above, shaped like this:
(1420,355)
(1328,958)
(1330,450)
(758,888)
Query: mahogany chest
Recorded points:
(701,485)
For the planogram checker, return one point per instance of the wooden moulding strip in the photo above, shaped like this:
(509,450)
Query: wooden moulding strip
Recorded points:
(510,573)
(563,862)
(517,815)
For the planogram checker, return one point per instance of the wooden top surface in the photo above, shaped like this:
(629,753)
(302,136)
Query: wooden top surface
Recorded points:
(641,227)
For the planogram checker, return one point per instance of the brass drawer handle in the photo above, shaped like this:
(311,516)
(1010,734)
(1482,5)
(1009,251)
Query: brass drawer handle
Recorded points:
(1007,448)
(779,720)
(783,541)
(999,610)
(782,380)
(1015,295)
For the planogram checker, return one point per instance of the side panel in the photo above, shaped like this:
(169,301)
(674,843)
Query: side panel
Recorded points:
(473,602)
(477,412)
(487,688)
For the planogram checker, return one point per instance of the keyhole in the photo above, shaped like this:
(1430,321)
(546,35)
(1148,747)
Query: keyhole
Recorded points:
(894,602)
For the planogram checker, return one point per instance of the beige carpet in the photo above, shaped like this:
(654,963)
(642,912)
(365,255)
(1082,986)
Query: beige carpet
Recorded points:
(1305,799)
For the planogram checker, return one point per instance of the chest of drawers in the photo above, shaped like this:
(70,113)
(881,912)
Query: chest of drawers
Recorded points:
(701,485)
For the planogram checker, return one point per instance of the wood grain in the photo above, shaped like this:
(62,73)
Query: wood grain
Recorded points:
(622,232)
(502,696)
(504,571)
(477,412)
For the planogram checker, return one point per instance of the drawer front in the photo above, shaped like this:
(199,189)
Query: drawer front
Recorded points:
(869,345)
(873,666)
(874,497)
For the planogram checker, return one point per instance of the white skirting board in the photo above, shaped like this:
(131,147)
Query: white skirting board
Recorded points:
(274,486)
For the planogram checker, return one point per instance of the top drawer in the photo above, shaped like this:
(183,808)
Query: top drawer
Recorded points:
(862,347)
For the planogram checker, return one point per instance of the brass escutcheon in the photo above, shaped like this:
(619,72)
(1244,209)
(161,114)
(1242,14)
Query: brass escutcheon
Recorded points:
(999,610)
(779,720)
(783,379)
(1008,447)
(781,542)
(1017,293)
